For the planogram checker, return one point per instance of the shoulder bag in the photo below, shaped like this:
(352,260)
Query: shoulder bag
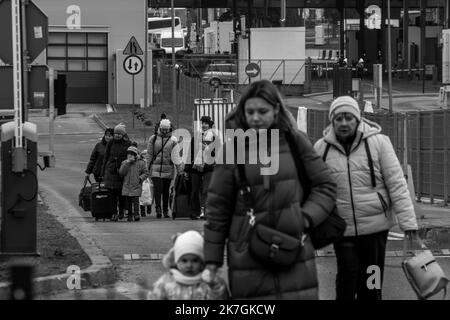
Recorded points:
(266,244)
(333,227)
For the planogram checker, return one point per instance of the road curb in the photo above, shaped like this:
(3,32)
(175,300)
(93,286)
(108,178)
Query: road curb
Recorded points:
(101,272)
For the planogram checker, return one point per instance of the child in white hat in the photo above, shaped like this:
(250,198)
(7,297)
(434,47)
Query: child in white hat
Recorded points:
(186,278)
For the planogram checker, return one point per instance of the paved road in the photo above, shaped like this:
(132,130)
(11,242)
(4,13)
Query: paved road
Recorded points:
(150,235)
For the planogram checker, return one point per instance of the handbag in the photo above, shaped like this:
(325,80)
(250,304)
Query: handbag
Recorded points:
(84,197)
(333,227)
(423,272)
(266,244)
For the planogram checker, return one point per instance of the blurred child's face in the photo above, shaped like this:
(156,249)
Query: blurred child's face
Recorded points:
(190,265)
(131,157)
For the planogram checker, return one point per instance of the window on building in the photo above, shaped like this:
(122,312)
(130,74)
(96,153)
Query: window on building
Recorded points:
(78,51)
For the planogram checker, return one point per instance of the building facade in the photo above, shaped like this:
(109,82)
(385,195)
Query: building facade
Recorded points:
(86,40)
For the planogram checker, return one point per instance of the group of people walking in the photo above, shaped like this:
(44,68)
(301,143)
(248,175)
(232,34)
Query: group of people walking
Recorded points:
(123,169)
(352,170)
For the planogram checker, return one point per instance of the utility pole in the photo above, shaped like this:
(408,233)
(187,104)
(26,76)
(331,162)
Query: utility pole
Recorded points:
(174,82)
(389,55)
(146,56)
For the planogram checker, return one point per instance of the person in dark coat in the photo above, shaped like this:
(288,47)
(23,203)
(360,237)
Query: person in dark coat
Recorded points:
(200,173)
(95,163)
(278,196)
(116,152)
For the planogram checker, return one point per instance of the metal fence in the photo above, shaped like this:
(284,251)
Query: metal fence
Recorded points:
(427,143)
(187,88)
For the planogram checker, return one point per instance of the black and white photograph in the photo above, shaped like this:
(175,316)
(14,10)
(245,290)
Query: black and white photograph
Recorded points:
(224,150)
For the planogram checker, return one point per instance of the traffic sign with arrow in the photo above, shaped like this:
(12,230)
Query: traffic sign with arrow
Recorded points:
(133,65)
(252,70)
(133,47)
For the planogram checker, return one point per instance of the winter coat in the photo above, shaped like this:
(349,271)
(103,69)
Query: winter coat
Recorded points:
(163,165)
(96,160)
(133,175)
(366,209)
(116,152)
(280,195)
(168,288)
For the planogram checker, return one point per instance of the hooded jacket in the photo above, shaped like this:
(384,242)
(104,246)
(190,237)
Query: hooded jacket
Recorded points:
(116,152)
(279,196)
(366,209)
(163,164)
(133,175)
(95,163)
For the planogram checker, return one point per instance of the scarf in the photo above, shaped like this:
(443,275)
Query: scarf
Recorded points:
(186,280)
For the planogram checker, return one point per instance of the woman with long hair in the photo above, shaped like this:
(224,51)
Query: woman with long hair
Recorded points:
(279,201)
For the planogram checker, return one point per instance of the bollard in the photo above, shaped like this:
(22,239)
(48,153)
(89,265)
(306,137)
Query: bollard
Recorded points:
(21,282)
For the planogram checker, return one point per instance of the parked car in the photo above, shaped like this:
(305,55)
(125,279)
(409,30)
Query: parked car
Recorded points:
(220,73)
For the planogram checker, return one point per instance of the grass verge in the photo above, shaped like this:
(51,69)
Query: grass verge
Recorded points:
(57,248)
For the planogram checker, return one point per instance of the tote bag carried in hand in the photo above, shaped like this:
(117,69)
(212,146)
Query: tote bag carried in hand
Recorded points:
(423,272)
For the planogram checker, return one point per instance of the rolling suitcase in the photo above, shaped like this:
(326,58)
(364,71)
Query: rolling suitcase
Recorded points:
(84,197)
(180,198)
(102,206)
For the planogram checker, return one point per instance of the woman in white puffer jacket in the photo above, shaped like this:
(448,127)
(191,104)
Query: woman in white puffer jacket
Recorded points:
(371,189)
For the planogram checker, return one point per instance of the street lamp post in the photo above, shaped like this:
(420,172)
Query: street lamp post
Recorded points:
(389,56)
(174,83)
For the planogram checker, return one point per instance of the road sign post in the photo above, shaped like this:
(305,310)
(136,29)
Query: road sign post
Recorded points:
(132,65)
(252,70)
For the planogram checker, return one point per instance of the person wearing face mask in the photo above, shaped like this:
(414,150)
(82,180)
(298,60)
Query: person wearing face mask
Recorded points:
(278,201)
(161,165)
(371,189)
(95,163)
(115,154)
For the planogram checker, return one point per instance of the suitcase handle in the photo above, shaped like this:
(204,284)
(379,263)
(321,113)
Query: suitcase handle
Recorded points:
(86,179)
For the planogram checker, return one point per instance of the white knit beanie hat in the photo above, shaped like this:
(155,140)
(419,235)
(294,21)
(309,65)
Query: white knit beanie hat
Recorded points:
(345,104)
(164,124)
(188,242)
(120,128)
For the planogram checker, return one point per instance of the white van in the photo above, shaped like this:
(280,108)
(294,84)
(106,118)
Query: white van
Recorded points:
(166,41)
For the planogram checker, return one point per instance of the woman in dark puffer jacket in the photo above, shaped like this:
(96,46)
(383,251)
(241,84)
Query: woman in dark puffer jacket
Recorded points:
(98,153)
(279,195)
(116,152)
